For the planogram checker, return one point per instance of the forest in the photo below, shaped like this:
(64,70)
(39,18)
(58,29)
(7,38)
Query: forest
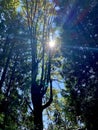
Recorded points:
(48,65)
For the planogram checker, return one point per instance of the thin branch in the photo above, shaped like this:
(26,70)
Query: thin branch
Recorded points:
(28,16)
(35,9)
(43,53)
(29,105)
(51,97)
(6,66)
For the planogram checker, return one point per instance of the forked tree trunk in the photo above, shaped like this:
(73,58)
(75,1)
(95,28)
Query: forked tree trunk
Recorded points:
(37,96)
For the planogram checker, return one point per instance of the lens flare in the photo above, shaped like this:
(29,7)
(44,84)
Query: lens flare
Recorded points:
(51,43)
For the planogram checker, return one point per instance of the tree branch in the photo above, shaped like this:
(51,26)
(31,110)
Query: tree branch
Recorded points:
(51,97)
(29,105)
(6,66)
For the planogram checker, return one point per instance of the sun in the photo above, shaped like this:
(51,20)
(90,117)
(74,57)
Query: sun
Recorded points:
(51,43)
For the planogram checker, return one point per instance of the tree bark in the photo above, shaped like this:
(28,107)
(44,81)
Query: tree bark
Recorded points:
(37,96)
(37,104)
(38,120)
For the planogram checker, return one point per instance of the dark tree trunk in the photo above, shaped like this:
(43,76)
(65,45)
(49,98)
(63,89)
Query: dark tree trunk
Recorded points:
(38,120)
(37,95)
(37,104)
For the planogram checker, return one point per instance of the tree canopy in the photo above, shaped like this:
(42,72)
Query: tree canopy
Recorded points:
(48,86)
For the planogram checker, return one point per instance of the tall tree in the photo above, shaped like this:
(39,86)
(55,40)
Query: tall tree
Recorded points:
(39,17)
(26,28)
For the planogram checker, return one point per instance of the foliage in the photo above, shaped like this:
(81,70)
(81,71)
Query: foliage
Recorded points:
(14,68)
(28,65)
(24,60)
(79,47)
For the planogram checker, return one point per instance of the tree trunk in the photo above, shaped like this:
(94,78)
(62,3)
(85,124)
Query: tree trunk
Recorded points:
(37,95)
(37,105)
(38,121)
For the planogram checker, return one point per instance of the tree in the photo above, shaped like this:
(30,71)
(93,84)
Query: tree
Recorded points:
(79,44)
(14,69)
(26,27)
(39,17)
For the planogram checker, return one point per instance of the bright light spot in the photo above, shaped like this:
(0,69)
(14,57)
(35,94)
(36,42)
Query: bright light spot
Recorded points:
(52,43)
